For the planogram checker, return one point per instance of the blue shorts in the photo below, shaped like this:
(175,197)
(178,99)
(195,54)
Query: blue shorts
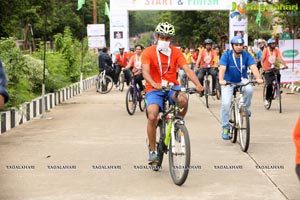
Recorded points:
(157,97)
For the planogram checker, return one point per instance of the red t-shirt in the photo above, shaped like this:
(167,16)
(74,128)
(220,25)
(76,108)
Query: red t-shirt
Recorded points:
(205,55)
(122,60)
(149,56)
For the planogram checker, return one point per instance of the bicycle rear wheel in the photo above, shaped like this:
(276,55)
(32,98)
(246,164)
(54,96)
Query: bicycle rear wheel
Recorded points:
(232,123)
(104,85)
(267,106)
(244,129)
(131,101)
(180,155)
(206,92)
(121,81)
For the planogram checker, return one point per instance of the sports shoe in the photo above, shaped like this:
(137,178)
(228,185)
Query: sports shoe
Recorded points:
(201,94)
(153,157)
(225,134)
(266,102)
(213,93)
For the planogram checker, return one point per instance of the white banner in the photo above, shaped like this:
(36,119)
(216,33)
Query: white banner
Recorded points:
(238,21)
(290,51)
(96,42)
(95,29)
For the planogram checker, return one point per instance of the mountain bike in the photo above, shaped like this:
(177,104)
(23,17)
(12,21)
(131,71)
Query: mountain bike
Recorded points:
(239,117)
(104,83)
(276,92)
(134,96)
(174,138)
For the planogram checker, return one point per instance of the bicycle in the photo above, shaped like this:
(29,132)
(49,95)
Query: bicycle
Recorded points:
(239,117)
(133,96)
(173,137)
(104,83)
(276,93)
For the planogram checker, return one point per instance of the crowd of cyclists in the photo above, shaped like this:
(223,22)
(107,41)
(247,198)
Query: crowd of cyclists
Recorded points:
(164,63)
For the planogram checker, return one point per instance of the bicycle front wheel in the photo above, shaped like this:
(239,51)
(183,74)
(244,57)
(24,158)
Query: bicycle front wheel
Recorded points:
(244,129)
(180,154)
(206,86)
(104,85)
(131,101)
(142,103)
(218,89)
(232,124)
(267,106)
(278,95)
(121,82)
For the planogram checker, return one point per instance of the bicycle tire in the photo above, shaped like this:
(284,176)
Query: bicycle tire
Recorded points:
(264,98)
(160,146)
(142,103)
(278,94)
(131,101)
(206,93)
(232,123)
(179,170)
(104,86)
(244,129)
(121,82)
(218,90)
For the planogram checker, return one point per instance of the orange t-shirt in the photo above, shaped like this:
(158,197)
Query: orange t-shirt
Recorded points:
(136,62)
(296,134)
(149,56)
(265,58)
(207,55)
(122,60)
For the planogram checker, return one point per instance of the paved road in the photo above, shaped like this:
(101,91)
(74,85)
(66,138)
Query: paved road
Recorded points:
(89,148)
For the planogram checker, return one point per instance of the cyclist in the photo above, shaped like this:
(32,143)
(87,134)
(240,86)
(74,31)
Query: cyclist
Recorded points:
(270,57)
(206,59)
(136,62)
(296,137)
(120,62)
(105,62)
(4,96)
(160,63)
(188,56)
(233,68)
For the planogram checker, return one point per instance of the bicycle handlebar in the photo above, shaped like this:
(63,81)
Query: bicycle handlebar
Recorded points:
(186,90)
(241,84)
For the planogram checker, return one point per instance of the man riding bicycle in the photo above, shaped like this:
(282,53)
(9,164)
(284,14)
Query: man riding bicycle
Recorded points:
(233,68)
(120,62)
(159,65)
(270,58)
(206,59)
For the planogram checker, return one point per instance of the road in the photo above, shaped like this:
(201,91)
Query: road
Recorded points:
(89,148)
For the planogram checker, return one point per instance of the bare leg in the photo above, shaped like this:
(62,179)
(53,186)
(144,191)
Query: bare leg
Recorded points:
(152,110)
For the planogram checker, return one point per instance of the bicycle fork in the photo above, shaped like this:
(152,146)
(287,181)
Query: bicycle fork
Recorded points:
(171,132)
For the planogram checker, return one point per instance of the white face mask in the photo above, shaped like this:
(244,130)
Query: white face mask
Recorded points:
(164,47)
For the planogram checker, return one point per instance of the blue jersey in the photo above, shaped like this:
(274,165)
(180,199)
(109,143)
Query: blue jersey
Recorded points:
(234,71)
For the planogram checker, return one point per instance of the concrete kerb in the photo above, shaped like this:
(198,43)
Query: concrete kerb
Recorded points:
(292,87)
(30,110)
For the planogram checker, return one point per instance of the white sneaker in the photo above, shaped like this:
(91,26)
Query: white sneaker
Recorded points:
(266,102)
